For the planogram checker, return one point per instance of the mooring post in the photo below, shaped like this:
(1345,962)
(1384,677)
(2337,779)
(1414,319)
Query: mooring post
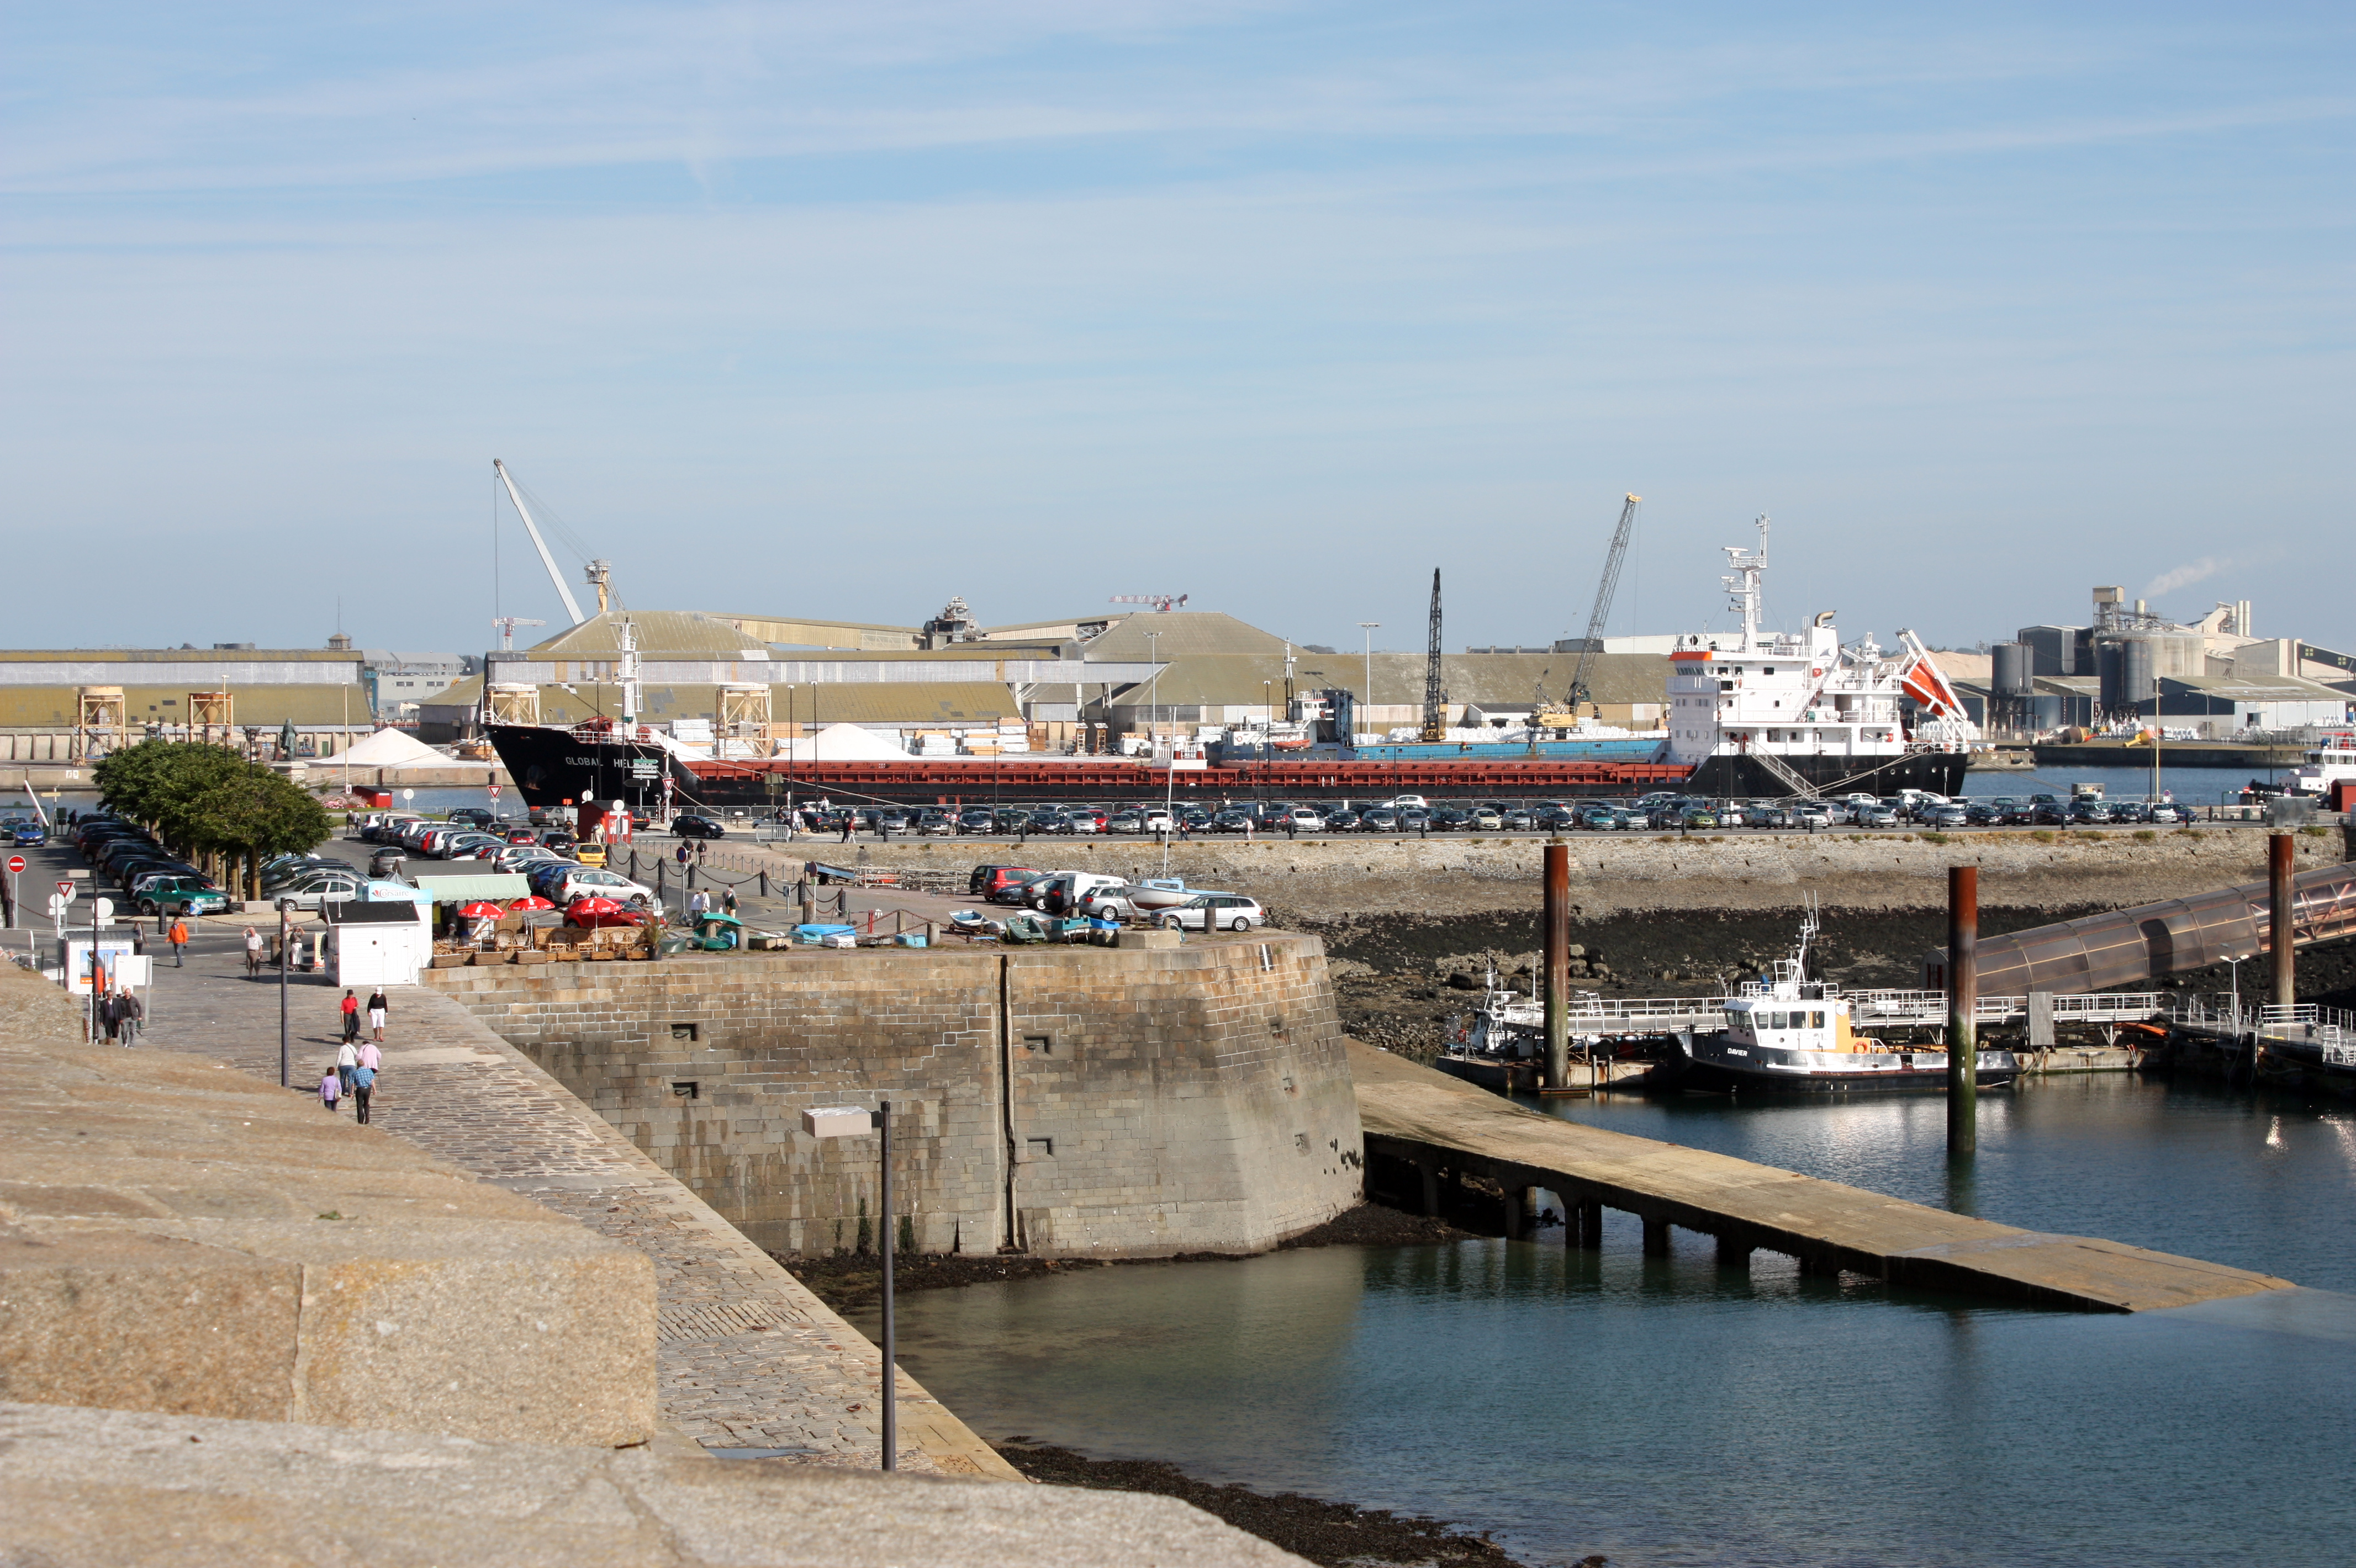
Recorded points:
(890,1349)
(1558,964)
(2281,936)
(1591,1222)
(1657,1238)
(1962,1000)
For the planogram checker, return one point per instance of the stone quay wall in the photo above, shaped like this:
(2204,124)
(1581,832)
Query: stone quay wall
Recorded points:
(1321,878)
(1067,1102)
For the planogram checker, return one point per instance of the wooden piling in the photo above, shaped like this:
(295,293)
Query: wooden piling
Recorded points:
(1962,998)
(2281,936)
(1558,964)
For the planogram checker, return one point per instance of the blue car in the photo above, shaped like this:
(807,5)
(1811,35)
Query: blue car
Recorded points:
(28,834)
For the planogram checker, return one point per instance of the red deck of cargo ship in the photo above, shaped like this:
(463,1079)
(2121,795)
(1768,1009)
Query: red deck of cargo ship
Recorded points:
(969,779)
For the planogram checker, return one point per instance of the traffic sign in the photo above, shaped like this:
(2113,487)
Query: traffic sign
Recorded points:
(495,792)
(102,911)
(15,864)
(66,891)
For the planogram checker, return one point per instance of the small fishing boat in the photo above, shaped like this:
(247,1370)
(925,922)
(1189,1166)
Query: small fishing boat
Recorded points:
(1788,1032)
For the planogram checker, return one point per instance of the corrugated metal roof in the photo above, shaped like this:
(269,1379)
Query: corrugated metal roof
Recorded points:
(1499,680)
(1181,633)
(2255,689)
(860,702)
(184,655)
(54,707)
(658,632)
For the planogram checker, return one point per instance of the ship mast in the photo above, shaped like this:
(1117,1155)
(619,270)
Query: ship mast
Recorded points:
(1742,583)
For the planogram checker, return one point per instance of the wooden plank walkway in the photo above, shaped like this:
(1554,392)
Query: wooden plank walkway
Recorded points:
(1433,1121)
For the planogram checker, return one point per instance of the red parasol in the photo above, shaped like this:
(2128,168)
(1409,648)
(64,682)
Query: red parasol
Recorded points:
(481,909)
(530,901)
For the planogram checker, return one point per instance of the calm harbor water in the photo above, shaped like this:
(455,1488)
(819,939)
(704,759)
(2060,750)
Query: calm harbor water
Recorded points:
(1667,1412)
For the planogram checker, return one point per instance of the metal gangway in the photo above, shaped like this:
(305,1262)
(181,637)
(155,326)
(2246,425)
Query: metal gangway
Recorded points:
(2329,1032)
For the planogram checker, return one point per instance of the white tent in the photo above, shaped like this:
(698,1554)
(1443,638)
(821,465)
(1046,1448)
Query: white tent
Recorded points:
(396,749)
(843,743)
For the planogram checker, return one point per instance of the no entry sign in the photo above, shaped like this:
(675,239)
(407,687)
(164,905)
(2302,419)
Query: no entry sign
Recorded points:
(15,864)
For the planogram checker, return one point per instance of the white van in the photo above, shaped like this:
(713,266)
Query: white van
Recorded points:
(1067,888)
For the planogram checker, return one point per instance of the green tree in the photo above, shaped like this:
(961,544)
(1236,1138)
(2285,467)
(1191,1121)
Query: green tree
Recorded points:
(254,815)
(206,801)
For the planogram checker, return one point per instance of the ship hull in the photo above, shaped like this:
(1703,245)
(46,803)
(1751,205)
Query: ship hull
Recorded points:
(1736,775)
(554,767)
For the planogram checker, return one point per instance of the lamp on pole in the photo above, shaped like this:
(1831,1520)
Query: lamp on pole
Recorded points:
(285,950)
(1369,627)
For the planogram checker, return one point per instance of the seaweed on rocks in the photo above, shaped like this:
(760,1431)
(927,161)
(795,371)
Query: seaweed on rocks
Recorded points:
(1326,1532)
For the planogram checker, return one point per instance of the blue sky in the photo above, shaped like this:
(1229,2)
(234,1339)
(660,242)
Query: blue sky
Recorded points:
(838,310)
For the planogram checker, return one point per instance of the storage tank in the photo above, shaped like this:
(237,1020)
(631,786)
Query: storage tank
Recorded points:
(2136,667)
(2010,671)
(2110,671)
(2045,712)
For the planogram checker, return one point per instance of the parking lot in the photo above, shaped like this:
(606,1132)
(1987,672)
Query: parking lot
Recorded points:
(1412,818)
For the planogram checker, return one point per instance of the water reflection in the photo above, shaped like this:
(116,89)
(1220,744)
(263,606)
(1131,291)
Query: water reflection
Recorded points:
(1669,1411)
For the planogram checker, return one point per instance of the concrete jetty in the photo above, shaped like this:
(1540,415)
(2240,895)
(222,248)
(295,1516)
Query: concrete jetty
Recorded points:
(1435,1123)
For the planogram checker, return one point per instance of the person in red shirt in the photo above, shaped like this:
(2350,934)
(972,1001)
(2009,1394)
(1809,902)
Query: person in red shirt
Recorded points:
(351,1008)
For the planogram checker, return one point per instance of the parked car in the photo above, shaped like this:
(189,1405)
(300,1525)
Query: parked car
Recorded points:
(1948,816)
(590,882)
(1342,821)
(1874,815)
(2130,811)
(183,895)
(1302,819)
(1231,821)
(1483,819)
(1414,819)
(2170,811)
(688,825)
(557,838)
(1518,820)
(987,880)
(1126,822)
(1378,819)
(1016,890)
(2090,811)
(472,814)
(975,819)
(1214,911)
(314,891)
(1059,892)
(1158,820)
(935,823)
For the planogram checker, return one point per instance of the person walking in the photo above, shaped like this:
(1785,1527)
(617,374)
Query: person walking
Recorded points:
(698,902)
(252,951)
(350,1007)
(376,1011)
(348,1056)
(110,1014)
(130,1013)
(363,1085)
(178,938)
(331,1089)
(728,900)
(846,821)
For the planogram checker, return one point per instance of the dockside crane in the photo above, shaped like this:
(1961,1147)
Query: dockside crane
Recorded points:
(1592,643)
(1435,699)
(571,605)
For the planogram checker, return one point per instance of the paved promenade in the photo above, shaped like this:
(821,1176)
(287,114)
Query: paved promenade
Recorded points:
(749,1359)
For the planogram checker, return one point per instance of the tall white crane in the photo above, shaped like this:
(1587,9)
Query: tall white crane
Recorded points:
(572,606)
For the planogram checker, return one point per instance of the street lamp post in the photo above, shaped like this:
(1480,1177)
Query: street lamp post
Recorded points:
(285,951)
(1370,627)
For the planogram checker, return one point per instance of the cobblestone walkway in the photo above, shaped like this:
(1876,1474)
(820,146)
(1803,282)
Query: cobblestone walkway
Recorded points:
(749,1359)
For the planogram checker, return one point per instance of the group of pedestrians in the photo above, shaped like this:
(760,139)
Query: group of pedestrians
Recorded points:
(701,903)
(120,1014)
(358,1062)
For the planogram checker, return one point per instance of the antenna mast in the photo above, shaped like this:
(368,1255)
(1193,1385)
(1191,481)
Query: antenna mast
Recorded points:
(1435,700)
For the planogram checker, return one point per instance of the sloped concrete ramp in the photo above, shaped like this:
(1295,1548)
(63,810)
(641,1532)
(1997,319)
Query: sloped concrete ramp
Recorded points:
(1415,1114)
